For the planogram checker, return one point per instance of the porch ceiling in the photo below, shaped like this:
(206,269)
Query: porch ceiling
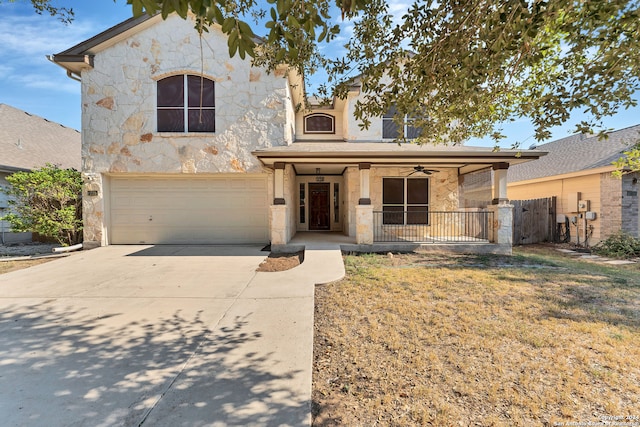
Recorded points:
(309,156)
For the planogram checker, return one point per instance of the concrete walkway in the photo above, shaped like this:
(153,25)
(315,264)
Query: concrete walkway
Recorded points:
(160,336)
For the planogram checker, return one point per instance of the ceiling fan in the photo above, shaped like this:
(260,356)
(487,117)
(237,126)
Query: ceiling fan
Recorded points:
(421,169)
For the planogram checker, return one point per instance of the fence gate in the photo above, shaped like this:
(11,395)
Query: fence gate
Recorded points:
(534,221)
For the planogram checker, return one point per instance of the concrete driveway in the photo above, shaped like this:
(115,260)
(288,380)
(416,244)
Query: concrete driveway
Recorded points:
(156,336)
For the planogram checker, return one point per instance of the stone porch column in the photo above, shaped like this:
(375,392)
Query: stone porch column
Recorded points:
(501,227)
(93,210)
(278,211)
(365,197)
(278,221)
(364,210)
(278,184)
(500,183)
(364,224)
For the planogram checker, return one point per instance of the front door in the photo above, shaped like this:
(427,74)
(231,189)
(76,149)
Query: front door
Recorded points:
(319,206)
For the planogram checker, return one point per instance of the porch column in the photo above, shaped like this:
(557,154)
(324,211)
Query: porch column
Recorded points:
(364,210)
(278,184)
(501,227)
(278,211)
(365,198)
(500,183)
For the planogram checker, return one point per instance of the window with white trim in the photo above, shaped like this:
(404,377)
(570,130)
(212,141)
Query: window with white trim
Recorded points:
(319,123)
(392,130)
(405,201)
(186,103)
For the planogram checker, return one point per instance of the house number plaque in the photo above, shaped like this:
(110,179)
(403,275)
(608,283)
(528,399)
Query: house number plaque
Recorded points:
(319,178)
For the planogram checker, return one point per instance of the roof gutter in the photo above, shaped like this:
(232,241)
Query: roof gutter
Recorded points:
(79,59)
(13,169)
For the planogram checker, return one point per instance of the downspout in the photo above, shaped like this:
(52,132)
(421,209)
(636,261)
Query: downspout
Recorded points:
(70,73)
(71,76)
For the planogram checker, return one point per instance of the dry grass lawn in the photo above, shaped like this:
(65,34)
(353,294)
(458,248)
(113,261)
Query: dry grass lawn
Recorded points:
(7,266)
(434,339)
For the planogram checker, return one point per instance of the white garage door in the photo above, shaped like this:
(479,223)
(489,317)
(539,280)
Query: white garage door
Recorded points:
(178,210)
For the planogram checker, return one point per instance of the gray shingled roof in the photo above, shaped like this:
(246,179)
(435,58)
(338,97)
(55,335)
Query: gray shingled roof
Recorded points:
(576,153)
(30,142)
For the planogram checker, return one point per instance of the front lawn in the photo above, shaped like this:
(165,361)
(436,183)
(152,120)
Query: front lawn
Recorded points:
(433,339)
(8,266)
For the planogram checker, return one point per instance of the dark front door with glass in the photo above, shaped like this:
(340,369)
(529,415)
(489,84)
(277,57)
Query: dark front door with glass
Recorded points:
(319,206)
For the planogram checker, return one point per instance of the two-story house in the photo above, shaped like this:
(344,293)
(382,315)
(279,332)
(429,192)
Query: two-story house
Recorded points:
(183,145)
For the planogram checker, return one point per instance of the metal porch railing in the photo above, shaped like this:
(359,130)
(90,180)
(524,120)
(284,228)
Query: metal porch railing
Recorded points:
(432,226)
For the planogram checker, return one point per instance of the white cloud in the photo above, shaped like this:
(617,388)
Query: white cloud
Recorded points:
(48,82)
(29,36)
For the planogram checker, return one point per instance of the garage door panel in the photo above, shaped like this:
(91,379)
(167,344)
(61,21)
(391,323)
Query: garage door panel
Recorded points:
(227,210)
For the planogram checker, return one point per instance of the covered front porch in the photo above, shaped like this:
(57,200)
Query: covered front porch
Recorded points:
(383,196)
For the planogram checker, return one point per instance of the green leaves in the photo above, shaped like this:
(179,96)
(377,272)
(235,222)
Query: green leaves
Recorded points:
(466,67)
(475,65)
(47,201)
(64,15)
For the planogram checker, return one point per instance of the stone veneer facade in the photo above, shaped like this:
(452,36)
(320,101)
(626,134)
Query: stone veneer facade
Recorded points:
(253,110)
(443,190)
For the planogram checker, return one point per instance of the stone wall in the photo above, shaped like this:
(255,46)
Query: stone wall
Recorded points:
(253,110)
(443,189)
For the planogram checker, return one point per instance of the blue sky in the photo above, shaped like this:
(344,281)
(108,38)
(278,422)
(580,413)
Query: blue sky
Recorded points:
(30,82)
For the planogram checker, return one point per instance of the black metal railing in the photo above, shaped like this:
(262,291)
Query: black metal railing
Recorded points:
(431,226)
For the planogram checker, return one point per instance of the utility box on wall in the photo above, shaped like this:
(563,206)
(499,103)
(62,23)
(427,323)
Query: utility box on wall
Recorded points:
(572,202)
(583,205)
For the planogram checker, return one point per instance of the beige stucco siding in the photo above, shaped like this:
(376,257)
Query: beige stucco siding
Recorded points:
(352,129)
(338,126)
(588,186)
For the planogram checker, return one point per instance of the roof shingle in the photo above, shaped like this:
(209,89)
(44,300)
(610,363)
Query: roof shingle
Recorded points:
(30,142)
(576,153)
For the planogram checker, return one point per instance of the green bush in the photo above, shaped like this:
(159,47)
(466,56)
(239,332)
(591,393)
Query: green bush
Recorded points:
(620,245)
(47,201)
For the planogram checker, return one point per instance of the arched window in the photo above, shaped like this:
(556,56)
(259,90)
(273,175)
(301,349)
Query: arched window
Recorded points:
(319,123)
(186,103)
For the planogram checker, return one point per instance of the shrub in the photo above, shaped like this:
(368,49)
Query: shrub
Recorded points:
(47,201)
(619,245)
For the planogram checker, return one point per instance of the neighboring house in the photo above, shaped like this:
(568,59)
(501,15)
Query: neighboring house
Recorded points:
(30,142)
(229,157)
(577,170)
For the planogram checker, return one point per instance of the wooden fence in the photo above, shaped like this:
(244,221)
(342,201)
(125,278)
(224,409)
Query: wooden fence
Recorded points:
(534,221)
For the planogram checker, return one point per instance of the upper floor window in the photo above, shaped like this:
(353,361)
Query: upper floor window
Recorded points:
(186,103)
(392,130)
(319,123)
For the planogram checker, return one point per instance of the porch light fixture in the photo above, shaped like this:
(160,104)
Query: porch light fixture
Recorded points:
(317,171)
